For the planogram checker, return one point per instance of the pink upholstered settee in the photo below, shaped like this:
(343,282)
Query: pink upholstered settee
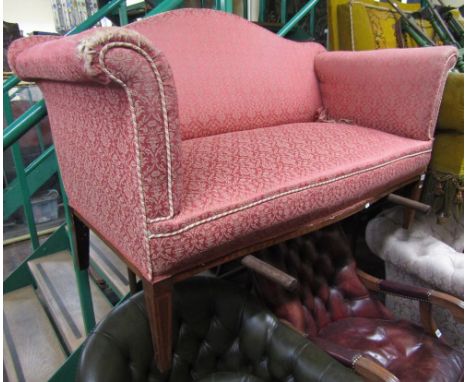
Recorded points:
(192,137)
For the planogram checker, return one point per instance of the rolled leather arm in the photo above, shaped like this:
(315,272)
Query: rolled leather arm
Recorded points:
(113,111)
(397,91)
(445,300)
(367,368)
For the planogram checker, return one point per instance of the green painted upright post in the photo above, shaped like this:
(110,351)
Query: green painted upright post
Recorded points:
(297,17)
(228,6)
(312,22)
(82,276)
(284,11)
(167,5)
(123,17)
(21,176)
(261,11)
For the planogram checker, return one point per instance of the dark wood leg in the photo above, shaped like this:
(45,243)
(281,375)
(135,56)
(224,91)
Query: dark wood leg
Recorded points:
(409,213)
(158,299)
(132,281)
(81,242)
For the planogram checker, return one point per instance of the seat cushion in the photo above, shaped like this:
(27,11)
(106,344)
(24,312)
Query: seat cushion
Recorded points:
(242,187)
(398,346)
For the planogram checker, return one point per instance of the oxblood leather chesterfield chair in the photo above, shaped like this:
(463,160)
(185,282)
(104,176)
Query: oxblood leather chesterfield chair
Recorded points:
(333,306)
(221,334)
(191,138)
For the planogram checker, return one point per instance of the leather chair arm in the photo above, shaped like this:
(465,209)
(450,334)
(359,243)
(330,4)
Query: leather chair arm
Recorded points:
(424,295)
(363,366)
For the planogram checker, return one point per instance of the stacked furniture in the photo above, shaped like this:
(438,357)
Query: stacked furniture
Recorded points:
(445,186)
(220,334)
(429,255)
(187,150)
(368,24)
(336,308)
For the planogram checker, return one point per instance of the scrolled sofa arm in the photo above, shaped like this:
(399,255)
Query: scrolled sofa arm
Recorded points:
(397,91)
(114,116)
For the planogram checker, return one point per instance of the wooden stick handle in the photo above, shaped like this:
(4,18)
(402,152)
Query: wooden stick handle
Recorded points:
(397,199)
(269,271)
(371,371)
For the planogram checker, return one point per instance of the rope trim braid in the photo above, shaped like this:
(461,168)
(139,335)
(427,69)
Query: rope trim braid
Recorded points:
(279,195)
(162,95)
(131,101)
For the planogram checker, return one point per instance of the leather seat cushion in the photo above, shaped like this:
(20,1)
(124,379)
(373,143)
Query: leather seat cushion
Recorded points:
(249,185)
(401,347)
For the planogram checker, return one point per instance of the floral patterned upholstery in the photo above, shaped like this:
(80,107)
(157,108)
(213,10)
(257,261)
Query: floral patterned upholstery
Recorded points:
(177,146)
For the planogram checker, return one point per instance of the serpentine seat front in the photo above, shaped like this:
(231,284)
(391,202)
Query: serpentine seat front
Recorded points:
(220,334)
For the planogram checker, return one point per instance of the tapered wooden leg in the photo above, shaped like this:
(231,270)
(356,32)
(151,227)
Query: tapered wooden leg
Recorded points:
(158,298)
(409,213)
(81,236)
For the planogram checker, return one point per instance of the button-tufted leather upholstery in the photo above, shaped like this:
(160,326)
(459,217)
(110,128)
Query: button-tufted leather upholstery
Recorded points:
(337,312)
(329,286)
(220,334)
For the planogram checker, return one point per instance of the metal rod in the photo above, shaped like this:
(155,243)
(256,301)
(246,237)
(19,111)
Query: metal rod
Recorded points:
(165,6)
(410,203)
(20,126)
(27,236)
(416,32)
(81,275)
(38,129)
(297,17)
(283,11)
(123,17)
(312,22)
(228,6)
(269,271)
(261,11)
(22,180)
(9,84)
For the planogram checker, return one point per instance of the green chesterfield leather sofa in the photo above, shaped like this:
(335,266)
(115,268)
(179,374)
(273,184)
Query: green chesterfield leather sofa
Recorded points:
(220,334)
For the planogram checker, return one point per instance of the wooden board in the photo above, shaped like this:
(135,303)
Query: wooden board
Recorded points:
(56,280)
(103,258)
(31,350)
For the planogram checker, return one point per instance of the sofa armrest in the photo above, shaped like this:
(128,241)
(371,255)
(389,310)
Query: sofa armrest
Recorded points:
(112,106)
(397,91)
(426,297)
